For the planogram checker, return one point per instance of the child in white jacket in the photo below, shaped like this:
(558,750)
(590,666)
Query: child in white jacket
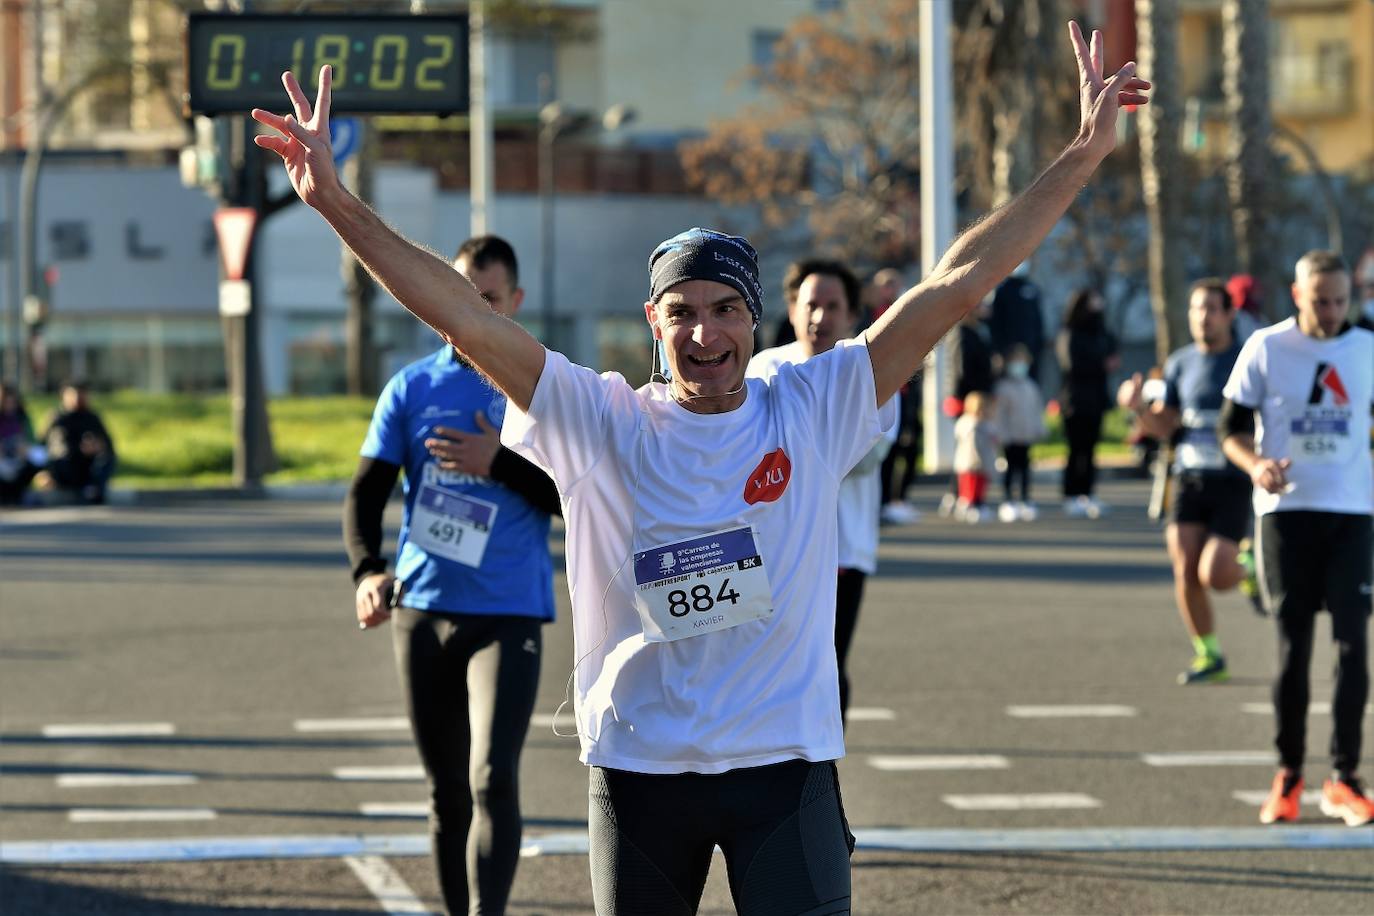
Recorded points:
(1020,424)
(975,456)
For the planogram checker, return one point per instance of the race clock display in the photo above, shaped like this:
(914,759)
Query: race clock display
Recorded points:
(411,64)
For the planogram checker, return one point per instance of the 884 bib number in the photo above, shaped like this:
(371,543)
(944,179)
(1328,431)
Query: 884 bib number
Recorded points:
(708,583)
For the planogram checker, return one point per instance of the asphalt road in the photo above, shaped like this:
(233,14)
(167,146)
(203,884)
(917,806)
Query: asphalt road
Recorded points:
(220,637)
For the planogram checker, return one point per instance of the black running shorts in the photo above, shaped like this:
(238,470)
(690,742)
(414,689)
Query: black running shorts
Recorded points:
(781,827)
(1218,502)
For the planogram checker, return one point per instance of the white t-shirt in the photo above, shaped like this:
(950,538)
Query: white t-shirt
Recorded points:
(1312,398)
(861,493)
(637,471)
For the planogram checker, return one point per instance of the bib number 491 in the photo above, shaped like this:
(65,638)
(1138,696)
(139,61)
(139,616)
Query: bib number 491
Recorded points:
(680,604)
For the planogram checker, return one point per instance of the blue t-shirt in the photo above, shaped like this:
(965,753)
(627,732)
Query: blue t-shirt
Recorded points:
(1193,382)
(468,544)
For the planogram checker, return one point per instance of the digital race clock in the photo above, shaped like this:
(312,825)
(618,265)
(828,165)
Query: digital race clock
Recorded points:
(414,64)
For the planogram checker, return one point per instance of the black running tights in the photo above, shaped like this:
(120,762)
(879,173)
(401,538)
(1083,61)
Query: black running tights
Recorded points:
(469,682)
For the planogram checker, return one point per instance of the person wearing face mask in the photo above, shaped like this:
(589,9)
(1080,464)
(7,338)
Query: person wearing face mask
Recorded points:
(1297,420)
(1087,355)
(1364,276)
(1020,424)
(823,305)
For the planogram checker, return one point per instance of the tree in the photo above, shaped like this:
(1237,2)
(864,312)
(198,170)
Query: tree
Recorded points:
(1160,169)
(1250,166)
(836,145)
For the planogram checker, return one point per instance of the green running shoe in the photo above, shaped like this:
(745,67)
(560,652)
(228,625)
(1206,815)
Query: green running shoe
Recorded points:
(1249,586)
(1205,669)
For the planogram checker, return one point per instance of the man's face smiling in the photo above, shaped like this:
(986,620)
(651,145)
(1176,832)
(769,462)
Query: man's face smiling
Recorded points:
(708,334)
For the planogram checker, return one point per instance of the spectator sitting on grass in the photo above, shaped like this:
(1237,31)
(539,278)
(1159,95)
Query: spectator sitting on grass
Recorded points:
(81,454)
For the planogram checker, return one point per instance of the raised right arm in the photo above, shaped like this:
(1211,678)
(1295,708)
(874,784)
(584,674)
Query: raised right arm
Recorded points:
(420,280)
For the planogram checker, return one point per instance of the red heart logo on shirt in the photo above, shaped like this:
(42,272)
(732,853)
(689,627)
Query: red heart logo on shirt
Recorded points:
(769,479)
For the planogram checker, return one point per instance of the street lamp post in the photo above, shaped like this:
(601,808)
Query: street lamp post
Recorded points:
(555,120)
(552,119)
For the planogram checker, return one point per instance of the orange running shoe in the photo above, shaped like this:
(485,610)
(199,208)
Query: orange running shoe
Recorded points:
(1344,798)
(1281,805)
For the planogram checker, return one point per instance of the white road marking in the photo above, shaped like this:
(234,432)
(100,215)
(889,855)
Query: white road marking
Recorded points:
(110,730)
(546,720)
(394,809)
(898,762)
(1033,802)
(1318,708)
(1267,709)
(100,780)
(380,724)
(386,885)
(117,815)
(871,714)
(1211,759)
(189,849)
(380,774)
(1104,711)
(1256,797)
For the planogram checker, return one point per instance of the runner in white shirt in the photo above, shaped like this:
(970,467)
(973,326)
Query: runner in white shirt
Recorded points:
(823,306)
(1297,420)
(700,515)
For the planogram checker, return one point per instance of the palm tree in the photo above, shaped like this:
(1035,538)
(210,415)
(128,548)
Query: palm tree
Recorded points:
(1249,164)
(1160,169)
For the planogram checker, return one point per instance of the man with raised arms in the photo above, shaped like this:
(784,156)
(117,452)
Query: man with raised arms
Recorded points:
(701,523)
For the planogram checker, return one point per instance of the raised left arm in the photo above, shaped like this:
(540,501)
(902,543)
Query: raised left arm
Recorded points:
(986,253)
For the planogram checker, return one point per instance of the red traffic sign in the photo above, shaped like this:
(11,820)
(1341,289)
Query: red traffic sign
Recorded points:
(234,226)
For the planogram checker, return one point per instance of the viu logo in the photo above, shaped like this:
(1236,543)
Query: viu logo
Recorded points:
(769,479)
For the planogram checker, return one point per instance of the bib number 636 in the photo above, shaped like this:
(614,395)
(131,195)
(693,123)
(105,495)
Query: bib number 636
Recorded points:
(701,599)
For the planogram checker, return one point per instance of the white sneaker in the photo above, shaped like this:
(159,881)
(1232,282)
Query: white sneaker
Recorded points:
(899,512)
(1094,509)
(976,515)
(949,504)
(1075,507)
(1027,512)
(1008,512)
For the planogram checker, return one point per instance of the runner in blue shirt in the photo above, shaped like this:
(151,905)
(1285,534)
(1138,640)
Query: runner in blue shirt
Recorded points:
(473,583)
(1209,515)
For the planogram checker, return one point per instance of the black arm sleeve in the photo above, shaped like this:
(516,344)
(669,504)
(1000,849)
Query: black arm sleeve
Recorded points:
(362,515)
(1235,420)
(526,479)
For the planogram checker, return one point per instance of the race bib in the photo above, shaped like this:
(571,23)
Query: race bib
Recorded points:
(451,525)
(702,585)
(1200,456)
(1199,450)
(1322,437)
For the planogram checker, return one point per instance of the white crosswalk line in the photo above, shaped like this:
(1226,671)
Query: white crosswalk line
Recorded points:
(1256,797)
(1211,759)
(1103,711)
(1267,709)
(871,714)
(1046,801)
(110,730)
(899,763)
(394,809)
(120,815)
(385,884)
(378,724)
(379,774)
(102,780)
(1317,708)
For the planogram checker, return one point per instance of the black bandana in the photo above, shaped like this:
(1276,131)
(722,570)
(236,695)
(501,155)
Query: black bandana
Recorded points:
(705,254)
